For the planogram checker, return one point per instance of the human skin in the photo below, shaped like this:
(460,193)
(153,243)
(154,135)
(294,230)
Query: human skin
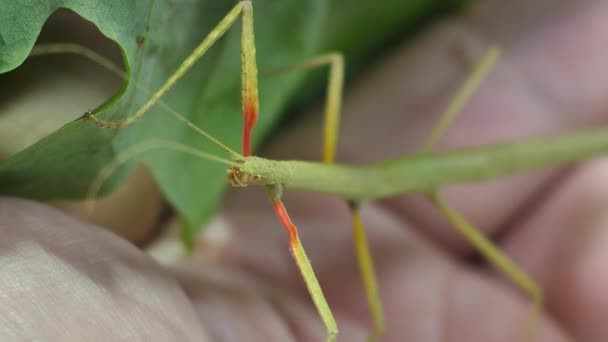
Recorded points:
(62,280)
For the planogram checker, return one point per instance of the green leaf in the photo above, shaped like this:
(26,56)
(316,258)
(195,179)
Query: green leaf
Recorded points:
(154,37)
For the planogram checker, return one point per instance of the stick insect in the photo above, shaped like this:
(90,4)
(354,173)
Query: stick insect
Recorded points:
(424,172)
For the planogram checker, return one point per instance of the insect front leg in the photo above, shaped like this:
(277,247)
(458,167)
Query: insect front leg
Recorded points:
(301,259)
(250,115)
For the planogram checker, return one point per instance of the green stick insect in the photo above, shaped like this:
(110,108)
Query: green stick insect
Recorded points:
(424,172)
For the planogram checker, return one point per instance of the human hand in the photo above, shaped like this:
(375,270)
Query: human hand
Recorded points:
(549,81)
(63,281)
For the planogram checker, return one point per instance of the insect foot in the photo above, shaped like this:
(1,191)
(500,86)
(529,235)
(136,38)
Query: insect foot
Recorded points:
(103,124)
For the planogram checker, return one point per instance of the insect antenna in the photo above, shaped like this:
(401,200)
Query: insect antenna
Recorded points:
(149,145)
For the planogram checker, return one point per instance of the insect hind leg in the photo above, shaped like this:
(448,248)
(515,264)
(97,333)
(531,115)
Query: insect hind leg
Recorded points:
(498,259)
(472,234)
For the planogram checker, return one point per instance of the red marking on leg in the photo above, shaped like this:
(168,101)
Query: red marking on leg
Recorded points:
(250,117)
(246,142)
(291,229)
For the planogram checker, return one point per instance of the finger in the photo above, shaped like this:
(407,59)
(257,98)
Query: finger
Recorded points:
(63,280)
(427,296)
(565,244)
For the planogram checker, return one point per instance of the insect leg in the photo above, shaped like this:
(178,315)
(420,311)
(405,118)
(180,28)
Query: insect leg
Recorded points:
(244,8)
(482,244)
(333,101)
(301,259)
(330,139)
(497,258)
(462,96)
(333,104)
(368,275)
